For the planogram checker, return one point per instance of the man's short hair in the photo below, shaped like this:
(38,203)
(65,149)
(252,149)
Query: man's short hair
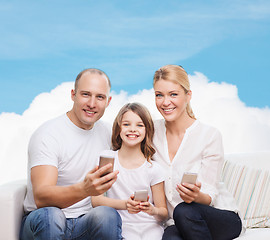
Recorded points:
(91,71)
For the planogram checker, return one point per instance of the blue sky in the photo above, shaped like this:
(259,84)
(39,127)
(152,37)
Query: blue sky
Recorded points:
(45,43)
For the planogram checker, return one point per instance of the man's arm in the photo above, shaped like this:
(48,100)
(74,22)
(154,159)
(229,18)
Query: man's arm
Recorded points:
(46,193)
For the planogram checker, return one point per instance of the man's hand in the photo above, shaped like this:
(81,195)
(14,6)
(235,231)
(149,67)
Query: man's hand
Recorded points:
(47,193)
(94,184)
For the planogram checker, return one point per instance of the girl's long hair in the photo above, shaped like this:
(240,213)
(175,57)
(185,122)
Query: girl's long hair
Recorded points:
(146,145)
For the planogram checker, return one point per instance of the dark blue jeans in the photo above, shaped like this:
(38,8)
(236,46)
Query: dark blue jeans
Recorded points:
(196,221)
(50,223)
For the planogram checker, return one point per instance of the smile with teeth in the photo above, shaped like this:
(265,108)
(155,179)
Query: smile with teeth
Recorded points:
(167,110)
(132,136)
(89,112)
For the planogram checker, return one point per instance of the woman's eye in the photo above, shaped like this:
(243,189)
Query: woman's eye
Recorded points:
(174,94)
(158,95)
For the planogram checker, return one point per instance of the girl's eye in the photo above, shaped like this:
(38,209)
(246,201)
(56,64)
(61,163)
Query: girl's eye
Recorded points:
(140,125)
(125,124)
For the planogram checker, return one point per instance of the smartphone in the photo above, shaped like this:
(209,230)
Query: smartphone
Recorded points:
(141,195)
(104,160)
(189,177)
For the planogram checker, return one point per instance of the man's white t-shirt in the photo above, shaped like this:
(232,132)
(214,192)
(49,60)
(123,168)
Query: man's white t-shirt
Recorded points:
(72,150)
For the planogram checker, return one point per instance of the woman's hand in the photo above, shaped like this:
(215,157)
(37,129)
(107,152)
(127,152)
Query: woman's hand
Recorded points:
(133,206)
(189,192)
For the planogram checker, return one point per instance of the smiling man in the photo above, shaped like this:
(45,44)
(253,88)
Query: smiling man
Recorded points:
(62,175)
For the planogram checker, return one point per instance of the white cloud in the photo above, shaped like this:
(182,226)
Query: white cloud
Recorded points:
(244,129)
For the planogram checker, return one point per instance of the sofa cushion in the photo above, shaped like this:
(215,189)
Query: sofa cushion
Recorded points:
(249,182)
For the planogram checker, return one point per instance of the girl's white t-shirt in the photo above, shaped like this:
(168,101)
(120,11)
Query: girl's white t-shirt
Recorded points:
(130,180)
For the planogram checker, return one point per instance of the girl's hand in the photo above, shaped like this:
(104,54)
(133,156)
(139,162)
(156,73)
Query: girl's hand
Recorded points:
(133,206)
(148,208)
(189,192)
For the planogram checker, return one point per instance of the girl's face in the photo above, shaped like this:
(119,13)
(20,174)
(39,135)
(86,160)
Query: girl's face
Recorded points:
(171,99)
(132,129)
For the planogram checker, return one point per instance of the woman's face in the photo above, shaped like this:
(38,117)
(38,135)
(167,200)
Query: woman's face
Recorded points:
(171,99)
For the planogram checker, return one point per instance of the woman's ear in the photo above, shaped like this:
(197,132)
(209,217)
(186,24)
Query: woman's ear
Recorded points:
(189,94)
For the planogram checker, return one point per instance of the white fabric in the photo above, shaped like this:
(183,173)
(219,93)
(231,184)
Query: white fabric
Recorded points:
(74,151)
(201,151)
(128,181)
(11,209)
(250,187)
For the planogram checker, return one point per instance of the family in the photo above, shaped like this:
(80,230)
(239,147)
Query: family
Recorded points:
(70,197)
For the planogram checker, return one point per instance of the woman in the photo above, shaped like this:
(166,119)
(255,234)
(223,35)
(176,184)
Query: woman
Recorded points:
(184,144)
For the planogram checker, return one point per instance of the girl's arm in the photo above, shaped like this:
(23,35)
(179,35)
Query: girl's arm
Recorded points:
(132,206)
(101,200)
(159,209)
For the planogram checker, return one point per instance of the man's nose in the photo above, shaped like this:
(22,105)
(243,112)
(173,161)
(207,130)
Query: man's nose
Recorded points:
(92,102)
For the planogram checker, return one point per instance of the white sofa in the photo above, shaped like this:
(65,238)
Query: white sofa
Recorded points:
(246,175)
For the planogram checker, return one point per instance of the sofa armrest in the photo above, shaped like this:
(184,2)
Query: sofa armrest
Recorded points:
(11,208)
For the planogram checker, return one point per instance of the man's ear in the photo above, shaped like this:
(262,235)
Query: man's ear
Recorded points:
(72,94)
(109,100)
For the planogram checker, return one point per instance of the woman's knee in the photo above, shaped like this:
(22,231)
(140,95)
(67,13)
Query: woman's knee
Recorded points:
(184,212)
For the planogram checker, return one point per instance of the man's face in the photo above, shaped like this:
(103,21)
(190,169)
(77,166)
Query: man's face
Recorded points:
(90,100)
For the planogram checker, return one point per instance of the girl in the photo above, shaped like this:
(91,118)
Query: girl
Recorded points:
(132,136)
(184,144)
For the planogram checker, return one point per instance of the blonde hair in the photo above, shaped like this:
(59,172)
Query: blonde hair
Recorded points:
(146,145)
(176,74)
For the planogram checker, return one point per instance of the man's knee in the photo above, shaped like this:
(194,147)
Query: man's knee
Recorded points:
(48,215)
(44,221)
(105,214)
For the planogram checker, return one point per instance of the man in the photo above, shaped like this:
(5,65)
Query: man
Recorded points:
(61,153)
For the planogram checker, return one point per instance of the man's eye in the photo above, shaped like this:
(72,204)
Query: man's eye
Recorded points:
(85,94)
(101,97)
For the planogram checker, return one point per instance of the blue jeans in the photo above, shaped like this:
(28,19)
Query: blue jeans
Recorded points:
(196,221)
(50,223)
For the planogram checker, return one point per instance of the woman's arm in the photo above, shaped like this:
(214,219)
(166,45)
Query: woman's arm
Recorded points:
(159,209)
(212,161)
(191,193)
